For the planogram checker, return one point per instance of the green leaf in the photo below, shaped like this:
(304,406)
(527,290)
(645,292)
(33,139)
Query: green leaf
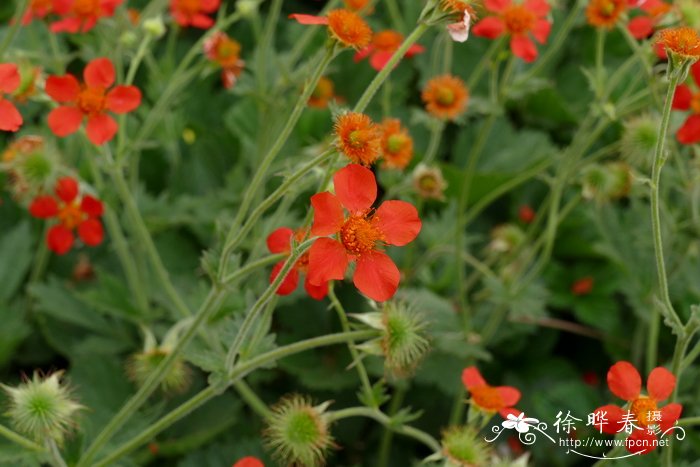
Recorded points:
(15,259)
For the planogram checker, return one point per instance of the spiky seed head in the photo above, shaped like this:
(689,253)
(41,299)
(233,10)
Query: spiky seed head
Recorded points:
(42,408)
(141,365)
(297,432)
(462,447)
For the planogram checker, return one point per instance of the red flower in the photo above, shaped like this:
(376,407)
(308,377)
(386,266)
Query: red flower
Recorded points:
(91,100)
(383,46)
(625,382)
(37,9)
(71,212)
(280,241)
(526,214)
(582,286)
(359,233)
(81,15)
(194,12)
(686,99)
(499,399)
(520,21)
(10,118)
(345,26)
(249,462)
(653,11)
(225,52)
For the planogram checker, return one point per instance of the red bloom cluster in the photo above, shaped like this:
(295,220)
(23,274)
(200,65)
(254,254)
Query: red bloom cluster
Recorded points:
(280,241)
(383,46)
(72,212)
(687,99)
(643,412)
(10,118)
(520,22)
(194,12)
(652,12)
(358,232)
(76,15)
(92,100)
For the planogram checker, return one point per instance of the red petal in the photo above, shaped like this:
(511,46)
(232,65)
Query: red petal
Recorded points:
(524,48)
(59,239)
(317,292)
(538,7)
(497,5)
(611,419)
(669,415)
(67,189)
(471,377)
(280,240)
(356,187)
(101,129)
(202,21)
(327,261)
(91,232)
(9,77)
(509,394)
(398,221)
(10,118)
(660,383)
(91,206)
(415,49)
(209,6)
(362,53)
(682,97)
(309,19)
(641,27)
(289,283)
(695,71)
(624,381)
(249,462)
(379,59)
(43,207)
(509,411)
(641,441)
(689,133)
(490,27)
(541,30)
(64,121)
(376,276)
(328,214)
(71,25)
(99,73)
(62,88)
(123,99)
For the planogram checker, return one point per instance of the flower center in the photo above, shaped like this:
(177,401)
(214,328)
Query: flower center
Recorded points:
(87,7)
(395,143)
(357,138)
(518,19)
(359,235)
(487,397)
(70,215)
(641,409)
(445,96)
(427,182)
(92,100)
(189,7)
(695,103)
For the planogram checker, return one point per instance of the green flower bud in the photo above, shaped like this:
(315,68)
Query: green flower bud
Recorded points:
(42,408)
(428,182)
(506,238)
(128,38)
(639,140)
(606,182)
(154,27)
(403,342)
(247,8)
(298,432)
(462,447)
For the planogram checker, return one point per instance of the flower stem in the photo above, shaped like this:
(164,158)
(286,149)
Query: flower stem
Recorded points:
(382,418)
(249,267)
(277,146)
(20,440)
(659,160)
(356,360)
(55,454)
(248,395)
(210,305)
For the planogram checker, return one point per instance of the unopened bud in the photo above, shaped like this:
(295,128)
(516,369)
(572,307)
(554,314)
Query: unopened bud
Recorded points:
(154,27)
(429,182)
(506,238)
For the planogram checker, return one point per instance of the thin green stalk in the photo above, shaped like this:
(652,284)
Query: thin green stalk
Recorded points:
(388,435)
(41,259)
(691,356)
(599,56)
(689,421)
(249,267)
(209,306)
(395,15)
(380,417)
(258,306)
(480,67)
(438,126)
(55,454)
(14,28)
(356,359)
(261,172)
(659,160)
(20,440)
(144,238)
(380,77)
(252,399)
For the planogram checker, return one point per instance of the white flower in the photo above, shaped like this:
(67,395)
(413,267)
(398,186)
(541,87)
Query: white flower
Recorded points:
(520,423)
(460,31)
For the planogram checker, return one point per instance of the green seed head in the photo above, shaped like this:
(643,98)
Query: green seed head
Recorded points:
(404,341)
(639,140)
(462,447)
(142,365)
